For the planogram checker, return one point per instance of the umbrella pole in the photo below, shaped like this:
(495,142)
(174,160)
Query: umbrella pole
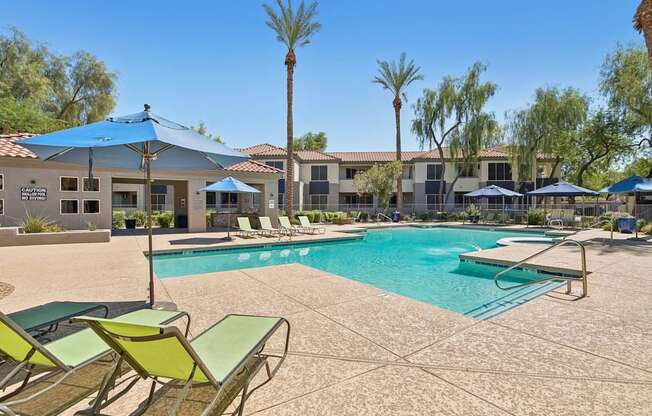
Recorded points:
(148,202)
(228,218)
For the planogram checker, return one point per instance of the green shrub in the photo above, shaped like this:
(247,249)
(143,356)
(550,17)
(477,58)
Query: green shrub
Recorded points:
(209,217)
(364,216)
(54,228)
(640,224)
(118,220)
(441,215)
(472,211)
(426,216)
(536,216)
(165,219)
(140,217)
(454,216)
(91,226)
(33,224)
(647,229)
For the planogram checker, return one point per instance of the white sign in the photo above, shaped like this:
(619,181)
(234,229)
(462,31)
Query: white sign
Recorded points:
(271,204)
(33,193)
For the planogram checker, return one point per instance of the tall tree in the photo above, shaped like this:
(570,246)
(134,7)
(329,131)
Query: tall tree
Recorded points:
(311,141)
(293,29)
(626,83)
(379,181)
(83,89)
(643,23)
(23,116)
(547,126)
(454,109)
(600,144)
(395,77)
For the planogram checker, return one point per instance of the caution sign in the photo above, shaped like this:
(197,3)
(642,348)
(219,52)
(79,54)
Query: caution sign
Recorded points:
(33,193)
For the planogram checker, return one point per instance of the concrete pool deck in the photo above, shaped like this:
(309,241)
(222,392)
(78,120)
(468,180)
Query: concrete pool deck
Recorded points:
(358,350)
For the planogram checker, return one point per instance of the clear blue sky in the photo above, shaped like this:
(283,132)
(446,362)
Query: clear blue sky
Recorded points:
(216,61)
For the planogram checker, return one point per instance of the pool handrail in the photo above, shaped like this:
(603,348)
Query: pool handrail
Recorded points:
(568,279)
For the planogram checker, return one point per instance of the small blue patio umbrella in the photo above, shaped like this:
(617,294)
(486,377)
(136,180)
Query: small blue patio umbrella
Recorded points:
(563,189)
(135,141)
(493,191)
(230,185)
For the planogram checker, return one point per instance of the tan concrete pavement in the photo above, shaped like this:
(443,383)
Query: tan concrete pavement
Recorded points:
(357,350)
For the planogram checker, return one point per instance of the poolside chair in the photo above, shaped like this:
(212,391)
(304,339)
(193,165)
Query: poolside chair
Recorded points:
(308,227)
(46,318)
(267,228)
(82,354)
(225,358)
(245,229)
(288,226)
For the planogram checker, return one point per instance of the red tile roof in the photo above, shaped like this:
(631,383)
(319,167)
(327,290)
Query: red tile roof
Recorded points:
(263,149)
(9,147)
(311,156)
(253,166)
(371,157)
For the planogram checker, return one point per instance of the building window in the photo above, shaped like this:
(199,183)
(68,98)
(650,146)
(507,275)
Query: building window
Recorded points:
(211,199)
(68,184)
(69,206)
(281,200)
(2,182)
(319,201)
(229,200)
(500,172)
(319,173)
(158,202)
(91,206)
(408,172)
(96,185)
(433,172)
(278,164)
(351,172)
(358,200)
(2,207)
(467,171)
(459,198)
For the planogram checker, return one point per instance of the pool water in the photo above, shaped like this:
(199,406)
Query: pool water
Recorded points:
(420,263)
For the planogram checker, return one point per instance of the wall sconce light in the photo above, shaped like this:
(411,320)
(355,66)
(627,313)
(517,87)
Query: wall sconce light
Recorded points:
(32,182)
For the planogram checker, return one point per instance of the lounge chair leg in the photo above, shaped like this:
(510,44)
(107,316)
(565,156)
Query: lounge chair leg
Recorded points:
(11,374)
(243,399)
(180,398)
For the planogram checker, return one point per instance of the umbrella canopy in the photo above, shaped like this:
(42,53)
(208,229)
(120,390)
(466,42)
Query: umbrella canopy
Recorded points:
(230,185)
(563,189)
(491,191)
(135,141)
(120,142)
(629,185)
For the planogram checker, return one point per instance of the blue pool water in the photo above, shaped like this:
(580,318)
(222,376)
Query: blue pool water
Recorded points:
(420,263)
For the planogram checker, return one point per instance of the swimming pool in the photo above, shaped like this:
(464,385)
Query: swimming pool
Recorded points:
(420,263)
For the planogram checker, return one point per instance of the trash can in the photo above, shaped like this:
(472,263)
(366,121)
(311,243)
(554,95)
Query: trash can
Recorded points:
(626,225)
(182,221)
(396,216)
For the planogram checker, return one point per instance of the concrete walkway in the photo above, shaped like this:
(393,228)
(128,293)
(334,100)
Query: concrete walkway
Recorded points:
(358,350)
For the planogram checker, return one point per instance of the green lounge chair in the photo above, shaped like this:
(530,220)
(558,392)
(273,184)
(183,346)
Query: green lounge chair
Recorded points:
(305,223)
(288,226)
(81,352)
(267,228)
(46,318)
(245,229)
(225,358)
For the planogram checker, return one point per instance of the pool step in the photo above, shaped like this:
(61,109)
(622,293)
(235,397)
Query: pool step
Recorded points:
(511,300)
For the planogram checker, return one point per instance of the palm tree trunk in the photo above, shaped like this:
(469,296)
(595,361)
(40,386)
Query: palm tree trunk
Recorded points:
(399,181)
(290,61)
(643,23)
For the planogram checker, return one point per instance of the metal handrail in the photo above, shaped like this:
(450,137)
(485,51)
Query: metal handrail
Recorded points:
(568,279)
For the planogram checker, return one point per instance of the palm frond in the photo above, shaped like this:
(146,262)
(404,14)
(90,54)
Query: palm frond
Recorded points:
(396,76)
(293,29)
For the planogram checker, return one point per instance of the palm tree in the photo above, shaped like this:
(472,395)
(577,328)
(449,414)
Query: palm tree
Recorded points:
(395,78)
(293,29)
(643,23)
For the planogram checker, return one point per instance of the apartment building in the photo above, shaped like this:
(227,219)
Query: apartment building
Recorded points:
(324,180)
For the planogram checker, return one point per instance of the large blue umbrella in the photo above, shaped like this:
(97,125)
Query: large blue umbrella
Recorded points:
(493,191)
(230,185)
(563,189)
(629,185)
(135,141)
